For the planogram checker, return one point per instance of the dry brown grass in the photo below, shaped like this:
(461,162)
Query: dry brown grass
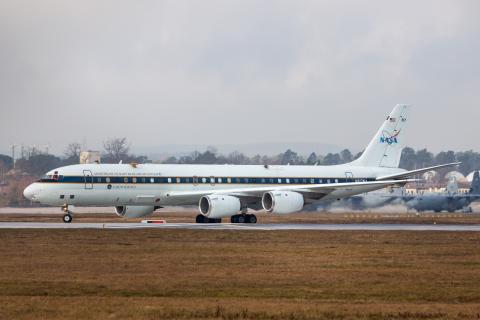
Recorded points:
(188,274)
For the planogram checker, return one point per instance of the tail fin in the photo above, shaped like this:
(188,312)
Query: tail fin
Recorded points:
(452,185)
(386,146)
(475,186)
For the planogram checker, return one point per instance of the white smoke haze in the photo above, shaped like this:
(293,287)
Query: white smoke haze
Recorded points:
(237,72)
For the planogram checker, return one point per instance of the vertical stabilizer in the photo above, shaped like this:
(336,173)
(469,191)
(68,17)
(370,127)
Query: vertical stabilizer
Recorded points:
(475,186)
(386,146)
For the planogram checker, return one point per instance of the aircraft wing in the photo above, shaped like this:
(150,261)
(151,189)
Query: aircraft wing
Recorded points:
(311,191)
(406,174)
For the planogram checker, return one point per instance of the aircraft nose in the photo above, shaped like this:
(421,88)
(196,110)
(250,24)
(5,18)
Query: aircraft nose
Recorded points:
(30,192)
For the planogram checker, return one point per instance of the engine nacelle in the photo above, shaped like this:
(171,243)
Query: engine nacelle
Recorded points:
(282,202)
(219,206)
(134,211)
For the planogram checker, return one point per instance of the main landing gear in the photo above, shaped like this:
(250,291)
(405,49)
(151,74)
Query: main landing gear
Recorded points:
(67,218)
(243,218)
(238,218)
(202,219)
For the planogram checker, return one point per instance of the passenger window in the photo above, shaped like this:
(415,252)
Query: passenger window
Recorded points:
(72,196)
(328,180)
(152,180)
(336,180)
(312,181)
(219,180)
(107,180)
(169,180)
(279,180)
(99,180)
(178,180)
(288,180)
(62,196)
(229,180)
(134,180)
(125,180)
(263,180)
(212,180)
(195,180)
(295,180)
(204,180)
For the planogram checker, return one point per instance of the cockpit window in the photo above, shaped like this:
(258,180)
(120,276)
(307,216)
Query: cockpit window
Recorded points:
(50,177)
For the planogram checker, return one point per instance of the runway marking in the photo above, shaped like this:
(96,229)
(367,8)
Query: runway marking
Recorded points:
(254,227)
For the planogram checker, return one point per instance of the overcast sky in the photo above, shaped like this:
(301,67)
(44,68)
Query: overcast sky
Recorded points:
(237,72)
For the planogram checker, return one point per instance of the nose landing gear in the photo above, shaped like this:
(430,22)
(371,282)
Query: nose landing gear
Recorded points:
(67,218)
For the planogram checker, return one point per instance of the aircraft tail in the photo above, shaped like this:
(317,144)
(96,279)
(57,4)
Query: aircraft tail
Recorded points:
(386,146)
(475,186)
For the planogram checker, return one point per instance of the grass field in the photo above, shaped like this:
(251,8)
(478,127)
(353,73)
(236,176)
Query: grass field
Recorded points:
(188,274)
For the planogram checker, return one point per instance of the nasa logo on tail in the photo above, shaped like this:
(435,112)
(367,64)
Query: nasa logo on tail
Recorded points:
(389,138)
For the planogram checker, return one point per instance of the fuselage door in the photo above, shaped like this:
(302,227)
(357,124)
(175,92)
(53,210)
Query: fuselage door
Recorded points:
(88,176)
(349,176)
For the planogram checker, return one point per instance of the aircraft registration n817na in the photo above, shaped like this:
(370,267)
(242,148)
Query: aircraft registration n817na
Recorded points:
(137,190)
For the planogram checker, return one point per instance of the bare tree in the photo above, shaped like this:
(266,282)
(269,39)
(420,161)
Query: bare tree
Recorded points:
(116,149)
(73,150)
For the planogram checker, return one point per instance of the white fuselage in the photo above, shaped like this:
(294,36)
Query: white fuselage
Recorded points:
(156,184)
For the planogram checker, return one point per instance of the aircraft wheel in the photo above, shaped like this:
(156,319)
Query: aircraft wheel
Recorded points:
(67,218)
(241,218)
(251,218)
(201,219)
(233,219)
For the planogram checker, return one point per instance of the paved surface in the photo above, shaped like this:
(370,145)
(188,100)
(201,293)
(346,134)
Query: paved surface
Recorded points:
(228,226)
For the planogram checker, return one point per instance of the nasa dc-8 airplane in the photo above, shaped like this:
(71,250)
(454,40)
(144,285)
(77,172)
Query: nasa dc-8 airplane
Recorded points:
(137,190)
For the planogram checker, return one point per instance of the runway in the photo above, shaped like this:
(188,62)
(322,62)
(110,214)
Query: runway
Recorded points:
(252,227)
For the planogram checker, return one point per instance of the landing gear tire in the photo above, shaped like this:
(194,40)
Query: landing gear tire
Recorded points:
(243,218)
(202,219)
(67,218)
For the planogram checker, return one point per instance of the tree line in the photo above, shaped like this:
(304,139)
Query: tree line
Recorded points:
(410,159)
(36,163)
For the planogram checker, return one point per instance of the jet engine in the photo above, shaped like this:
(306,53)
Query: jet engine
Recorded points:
(282,202)
(134,211)
(219,206)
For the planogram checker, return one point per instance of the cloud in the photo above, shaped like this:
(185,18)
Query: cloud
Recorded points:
(216,72)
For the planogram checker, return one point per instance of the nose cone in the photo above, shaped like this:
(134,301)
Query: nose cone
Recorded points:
(30,192)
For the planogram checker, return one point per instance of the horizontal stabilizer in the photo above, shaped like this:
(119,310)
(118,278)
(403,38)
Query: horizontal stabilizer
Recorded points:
(406,174)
